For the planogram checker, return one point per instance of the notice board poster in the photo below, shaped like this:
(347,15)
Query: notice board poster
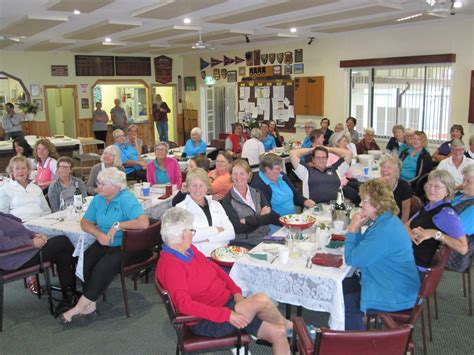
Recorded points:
(163,69)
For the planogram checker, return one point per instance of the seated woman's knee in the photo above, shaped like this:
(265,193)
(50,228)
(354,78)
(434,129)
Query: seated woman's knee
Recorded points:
(262,300)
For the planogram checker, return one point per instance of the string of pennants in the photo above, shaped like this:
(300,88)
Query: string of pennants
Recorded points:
(226,60)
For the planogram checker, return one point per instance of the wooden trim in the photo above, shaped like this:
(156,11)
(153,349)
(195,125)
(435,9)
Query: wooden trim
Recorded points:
(152,86)
(416,59)
(27,92)
(470,118)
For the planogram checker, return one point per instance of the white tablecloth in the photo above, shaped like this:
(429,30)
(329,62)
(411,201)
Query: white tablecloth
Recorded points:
(358,172)
(58,142)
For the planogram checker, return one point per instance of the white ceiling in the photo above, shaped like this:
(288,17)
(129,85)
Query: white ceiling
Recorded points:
(147,26)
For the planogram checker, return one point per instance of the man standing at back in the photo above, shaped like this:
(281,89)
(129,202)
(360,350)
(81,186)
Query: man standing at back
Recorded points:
(160,116)
(118,116)
(11,122)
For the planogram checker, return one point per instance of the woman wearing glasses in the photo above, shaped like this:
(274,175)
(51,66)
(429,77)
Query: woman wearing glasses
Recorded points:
(112,210)
(198,287)
(437,223)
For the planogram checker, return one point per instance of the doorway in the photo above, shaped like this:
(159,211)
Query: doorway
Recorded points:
(168,95)
(61,108)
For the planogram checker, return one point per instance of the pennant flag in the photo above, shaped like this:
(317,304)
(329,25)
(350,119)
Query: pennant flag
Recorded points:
(215,62)
(203,64)
(228,60)
(238,60)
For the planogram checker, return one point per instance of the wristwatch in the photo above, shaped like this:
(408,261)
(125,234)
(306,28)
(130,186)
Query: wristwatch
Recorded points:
(438,236)
(116,225)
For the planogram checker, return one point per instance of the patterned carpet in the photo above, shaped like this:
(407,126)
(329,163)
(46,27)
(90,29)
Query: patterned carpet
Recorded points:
(28,328)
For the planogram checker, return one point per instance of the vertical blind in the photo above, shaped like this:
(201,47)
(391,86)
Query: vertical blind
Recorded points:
(413,96)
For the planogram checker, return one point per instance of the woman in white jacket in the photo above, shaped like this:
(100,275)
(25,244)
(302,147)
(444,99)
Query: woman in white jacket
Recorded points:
(213,227)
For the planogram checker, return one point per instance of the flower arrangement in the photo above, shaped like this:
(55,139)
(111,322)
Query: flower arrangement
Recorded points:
(28,107)
(249,122)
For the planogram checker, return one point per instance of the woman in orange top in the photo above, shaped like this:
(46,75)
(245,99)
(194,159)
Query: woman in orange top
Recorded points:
(220,176)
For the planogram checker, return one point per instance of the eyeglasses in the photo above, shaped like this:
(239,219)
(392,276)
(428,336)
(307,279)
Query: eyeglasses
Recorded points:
(365,200)
(193,232)
(321,158)
(100,183)
(434,186)
(64,167)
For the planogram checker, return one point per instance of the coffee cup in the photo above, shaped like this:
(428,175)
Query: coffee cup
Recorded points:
(137,189)
(146,189)
(366,170)
(168,189)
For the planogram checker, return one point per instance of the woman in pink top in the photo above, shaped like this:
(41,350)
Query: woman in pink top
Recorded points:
(46,156)
(163,170)
(220,176)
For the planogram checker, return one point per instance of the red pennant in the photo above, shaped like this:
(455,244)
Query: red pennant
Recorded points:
(215,62)
(238,60)
(228,60)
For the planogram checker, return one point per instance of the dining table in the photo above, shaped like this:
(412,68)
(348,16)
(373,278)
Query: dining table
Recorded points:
(68,223)
(175,153)
(298,282)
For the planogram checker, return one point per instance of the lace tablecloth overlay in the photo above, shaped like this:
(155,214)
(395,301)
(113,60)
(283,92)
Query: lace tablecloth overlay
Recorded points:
(317,288)
(57,224)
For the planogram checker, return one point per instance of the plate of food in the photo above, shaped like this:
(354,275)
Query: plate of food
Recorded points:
(299,221)
(227,256)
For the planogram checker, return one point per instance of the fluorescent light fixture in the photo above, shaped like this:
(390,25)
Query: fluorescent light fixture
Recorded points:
(77,12)
(187,21)
(457,4)
(108,40)
(409,17)
(293,30)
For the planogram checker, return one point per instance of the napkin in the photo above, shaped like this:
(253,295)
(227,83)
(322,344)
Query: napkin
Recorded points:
(338,237)
(334,244)
(330,260)
(259,256)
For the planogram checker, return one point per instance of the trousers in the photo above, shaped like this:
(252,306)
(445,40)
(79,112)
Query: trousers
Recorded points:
(162,128)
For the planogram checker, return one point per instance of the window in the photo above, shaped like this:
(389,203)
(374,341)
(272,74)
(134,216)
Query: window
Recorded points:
(416,96)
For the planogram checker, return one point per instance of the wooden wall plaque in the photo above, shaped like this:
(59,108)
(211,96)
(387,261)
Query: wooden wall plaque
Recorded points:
(94,65)
(130,66)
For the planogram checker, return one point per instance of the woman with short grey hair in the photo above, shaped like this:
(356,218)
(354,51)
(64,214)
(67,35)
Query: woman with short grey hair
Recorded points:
(200,288)
(195,145)
(253,149)
(456,161)
(438,222)
(397,140)
(110,158)
(112,210)
(470,151)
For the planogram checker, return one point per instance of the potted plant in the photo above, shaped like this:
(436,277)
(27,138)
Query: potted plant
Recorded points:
(29,109)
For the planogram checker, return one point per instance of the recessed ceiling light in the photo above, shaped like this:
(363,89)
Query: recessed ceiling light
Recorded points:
(108,40)
(187,21)
(293,30)
(77,12)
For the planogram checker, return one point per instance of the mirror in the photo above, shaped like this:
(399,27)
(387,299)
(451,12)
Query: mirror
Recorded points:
(12,89)
(133,98)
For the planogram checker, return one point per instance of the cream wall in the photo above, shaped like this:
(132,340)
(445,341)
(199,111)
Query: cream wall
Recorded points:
(323,57)
(35,68)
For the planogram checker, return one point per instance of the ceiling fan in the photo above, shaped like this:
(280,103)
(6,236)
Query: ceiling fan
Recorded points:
(200,44)
(438,8)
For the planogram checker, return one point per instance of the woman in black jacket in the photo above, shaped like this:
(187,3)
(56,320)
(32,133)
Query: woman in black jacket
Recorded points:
(247,208)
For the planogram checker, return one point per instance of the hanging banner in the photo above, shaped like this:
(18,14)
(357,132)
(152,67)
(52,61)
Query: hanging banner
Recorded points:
(215,62)
(203,64)
(163,69)
(238,60)
(228,60)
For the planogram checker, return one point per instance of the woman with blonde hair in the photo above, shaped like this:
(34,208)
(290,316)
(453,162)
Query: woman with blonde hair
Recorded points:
(110,158)
(46,156)
(247,208)
(213,228)
(390,167)
(383,253)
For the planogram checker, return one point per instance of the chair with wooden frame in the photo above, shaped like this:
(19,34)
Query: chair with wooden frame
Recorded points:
(136,241)
(428,287)
(390,341)
(187,342)
(7,276)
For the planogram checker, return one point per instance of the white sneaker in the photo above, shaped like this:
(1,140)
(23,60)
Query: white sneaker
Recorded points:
(242,351)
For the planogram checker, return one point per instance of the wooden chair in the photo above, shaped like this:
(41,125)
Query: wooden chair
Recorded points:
(428,287)
(391,341)
(172,144)
(187,342)
(415,205)
(7,276)
(136,241)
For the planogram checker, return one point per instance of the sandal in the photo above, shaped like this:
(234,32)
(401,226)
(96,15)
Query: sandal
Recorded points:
(33,286)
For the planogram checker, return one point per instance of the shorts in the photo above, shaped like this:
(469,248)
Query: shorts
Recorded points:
(211,329)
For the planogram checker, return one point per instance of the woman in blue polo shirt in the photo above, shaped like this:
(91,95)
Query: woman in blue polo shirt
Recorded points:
(113,209)
(195,145)
(267,139)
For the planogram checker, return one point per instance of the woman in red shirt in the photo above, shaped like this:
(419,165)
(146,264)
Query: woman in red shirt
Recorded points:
(198,287)
(235,141)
